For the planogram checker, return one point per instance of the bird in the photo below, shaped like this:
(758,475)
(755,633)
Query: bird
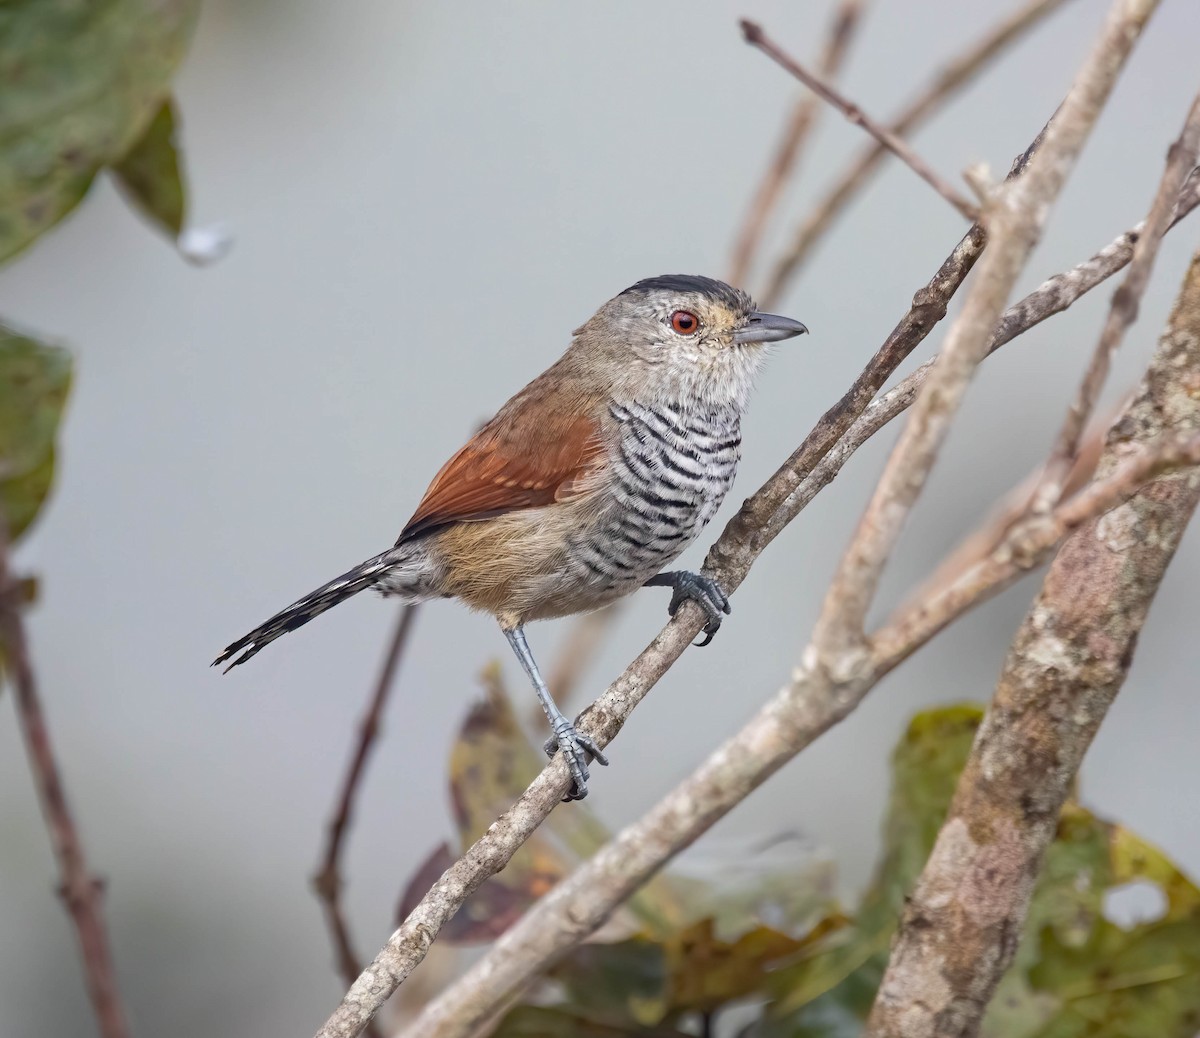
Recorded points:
(585,484)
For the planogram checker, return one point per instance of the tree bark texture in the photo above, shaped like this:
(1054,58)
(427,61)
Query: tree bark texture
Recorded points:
(1068,661)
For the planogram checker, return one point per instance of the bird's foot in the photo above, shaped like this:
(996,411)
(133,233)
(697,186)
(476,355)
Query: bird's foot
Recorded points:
(705,592)
(575,747)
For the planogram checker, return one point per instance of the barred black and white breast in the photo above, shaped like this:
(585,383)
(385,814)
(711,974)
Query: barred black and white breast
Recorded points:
(671,470)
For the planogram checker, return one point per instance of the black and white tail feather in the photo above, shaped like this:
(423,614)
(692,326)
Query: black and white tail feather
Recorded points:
(363,576)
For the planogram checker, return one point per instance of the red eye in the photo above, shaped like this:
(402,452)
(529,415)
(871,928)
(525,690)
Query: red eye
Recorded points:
(685,322)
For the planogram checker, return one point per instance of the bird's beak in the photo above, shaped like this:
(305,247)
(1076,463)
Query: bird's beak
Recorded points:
(768,328)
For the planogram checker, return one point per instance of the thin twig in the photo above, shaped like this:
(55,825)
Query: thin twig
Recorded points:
(793,719)
(841,665)
(728,561)
(1181,161)
(1052,297)
(1012,508)
(1068,661)
(80,890)
(327,882)
(1029,544)
(1015,214)
(814,695)
(757,522)
(945,85)
(826,91)
(803,118)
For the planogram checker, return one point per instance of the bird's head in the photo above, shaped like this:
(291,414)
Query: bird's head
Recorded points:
(682,337)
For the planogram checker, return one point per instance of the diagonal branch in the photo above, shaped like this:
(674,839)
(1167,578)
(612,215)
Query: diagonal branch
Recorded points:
(758,521)
(1068,661)
(574,656)
(80,890)
(800,124)
(840,666)
(1052,297)
(893,142)
(327,882)
(949,81)
(730,560)
(1182,158)
(1011,509)
(1014,215)
(792,720)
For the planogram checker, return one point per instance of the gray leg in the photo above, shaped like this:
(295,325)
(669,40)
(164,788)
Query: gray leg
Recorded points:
(702,590)
(573,744)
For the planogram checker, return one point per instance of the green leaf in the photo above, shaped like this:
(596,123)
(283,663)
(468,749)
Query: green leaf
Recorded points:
(80,83)
(34,381)
(784,884)
(545,1022)
(625,983)
(149,173)
(707,972)
(925,769)
(646,981)
(1075,968)
(1138,983)
(1075,973)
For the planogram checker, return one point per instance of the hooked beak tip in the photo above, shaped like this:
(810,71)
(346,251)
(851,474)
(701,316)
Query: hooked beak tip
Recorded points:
(761,327)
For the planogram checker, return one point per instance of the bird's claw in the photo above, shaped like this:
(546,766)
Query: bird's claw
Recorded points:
(575,747)
(707,594)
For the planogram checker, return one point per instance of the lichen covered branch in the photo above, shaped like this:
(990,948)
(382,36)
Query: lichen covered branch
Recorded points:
(802,711)
(822,694)
(1014,217)
(1069,659)
(1123,310)
(1052,297)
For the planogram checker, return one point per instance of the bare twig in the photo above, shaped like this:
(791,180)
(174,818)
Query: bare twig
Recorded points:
(840,666)
(728,561)
(1052,297)
(829,683)
(893,142)
(961,925)
(803,118)
(956,75)
(1028,545)
(1014,214)
(1012,509)
(789,722)
(758,521)
(80,890)
(1181,161)
(327,882)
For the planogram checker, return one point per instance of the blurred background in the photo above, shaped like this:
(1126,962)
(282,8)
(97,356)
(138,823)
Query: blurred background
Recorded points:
(426,199)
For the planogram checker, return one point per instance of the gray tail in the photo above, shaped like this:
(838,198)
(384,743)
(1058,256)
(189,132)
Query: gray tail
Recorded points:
(299,613)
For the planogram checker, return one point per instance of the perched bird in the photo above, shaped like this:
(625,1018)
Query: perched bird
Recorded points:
(586,483)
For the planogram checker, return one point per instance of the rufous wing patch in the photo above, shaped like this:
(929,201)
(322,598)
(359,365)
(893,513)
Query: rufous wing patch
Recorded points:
(510,465)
